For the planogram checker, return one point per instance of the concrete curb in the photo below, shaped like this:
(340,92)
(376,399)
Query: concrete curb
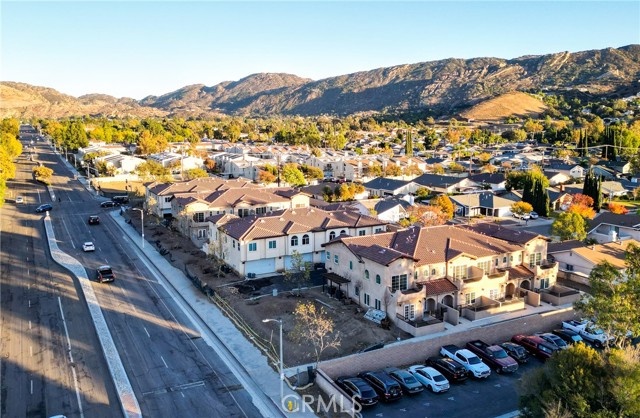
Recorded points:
(253,365)
(128,401)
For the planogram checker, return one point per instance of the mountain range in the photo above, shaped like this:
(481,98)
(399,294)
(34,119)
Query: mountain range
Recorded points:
(441,87)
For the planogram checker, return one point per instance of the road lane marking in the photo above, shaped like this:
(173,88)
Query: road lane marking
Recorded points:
(73,370)
(165,363)
(145,330)
(31,387)
(68,233)
(29,324)
(31,350)
(29,302)
(182,393)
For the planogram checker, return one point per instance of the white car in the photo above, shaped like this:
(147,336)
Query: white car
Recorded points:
(88,246)
(19,199)
(533,215)
(430,378)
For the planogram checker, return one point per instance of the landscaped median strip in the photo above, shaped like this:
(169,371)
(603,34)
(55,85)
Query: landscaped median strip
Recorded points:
(128,401)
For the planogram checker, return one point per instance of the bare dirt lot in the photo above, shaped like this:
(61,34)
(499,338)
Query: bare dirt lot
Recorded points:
(248,311)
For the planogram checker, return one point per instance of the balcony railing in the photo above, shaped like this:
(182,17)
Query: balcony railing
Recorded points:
(423,321)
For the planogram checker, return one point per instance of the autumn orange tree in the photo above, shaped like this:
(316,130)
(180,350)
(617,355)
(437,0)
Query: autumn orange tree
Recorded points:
(617,208)
(443,202)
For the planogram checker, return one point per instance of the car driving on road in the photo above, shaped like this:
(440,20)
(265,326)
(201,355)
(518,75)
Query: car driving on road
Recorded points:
(105,274)
(44,208)
(94,220)
(88,246)
(108,204)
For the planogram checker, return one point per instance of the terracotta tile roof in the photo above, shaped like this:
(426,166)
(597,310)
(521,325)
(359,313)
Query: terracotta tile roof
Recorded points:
(556,247)
(438,286)
(299,220)
(199,185)
(519,272)
(496,230)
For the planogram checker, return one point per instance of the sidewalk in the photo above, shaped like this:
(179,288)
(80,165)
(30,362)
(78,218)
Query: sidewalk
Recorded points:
(247,362)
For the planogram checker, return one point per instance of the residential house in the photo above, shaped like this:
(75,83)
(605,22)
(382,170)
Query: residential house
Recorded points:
(484,203)
(576,260)
(446,184)
(611,227)
(122,164)
(390,209)
(264,244)
(415,273)
(382,186)
(572,171)
(493,181)
(557,177)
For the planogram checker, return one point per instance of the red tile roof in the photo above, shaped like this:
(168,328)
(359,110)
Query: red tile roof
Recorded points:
(438,286)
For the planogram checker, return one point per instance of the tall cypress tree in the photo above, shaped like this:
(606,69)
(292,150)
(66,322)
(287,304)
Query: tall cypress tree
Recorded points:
(542,200)
(408,149)
(593,188)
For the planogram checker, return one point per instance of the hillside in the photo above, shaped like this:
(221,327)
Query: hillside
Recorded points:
(443,87)
(509,104)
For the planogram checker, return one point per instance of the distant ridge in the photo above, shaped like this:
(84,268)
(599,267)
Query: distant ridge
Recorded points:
(444,87)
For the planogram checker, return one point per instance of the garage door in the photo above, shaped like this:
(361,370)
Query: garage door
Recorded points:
(267,265)
(307,257)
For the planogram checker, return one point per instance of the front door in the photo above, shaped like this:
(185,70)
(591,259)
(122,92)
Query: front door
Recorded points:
(409,312)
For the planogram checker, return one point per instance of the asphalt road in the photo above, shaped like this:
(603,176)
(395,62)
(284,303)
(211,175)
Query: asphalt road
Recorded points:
(172,370)
(37,377)
(486,398)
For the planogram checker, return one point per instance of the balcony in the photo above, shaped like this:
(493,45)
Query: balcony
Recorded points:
(420,326)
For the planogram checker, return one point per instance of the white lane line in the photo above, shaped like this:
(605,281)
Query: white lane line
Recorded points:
(68,233)
(29,302)
(31,390)
(31,350)
(29,324)
(27,272)
(182,393)
(73,370)
(39,200)
(145,330)
(165,363)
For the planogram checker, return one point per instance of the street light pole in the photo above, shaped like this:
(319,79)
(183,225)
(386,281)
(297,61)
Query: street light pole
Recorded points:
(141,224)
(279,321)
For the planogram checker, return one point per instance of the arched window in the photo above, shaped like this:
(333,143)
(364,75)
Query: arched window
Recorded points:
(366,274)
(332,235)
(377,279)
(343,232)
(294,240)
(305,239)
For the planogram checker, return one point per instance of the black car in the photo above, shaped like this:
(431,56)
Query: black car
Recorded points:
(108,204)
(94,220)
(406,380)
(384,385)
(359,390)
(106,274)
(570,337)
(516,351)
(451,369)
(44,208)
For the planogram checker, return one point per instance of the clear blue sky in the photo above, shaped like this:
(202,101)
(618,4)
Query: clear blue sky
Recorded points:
(136,49)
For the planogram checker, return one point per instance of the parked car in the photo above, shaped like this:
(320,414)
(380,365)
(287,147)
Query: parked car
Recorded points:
(406,380)
(106,274)
(554,339)
(470,361)
(494,356)
(451,369)
(108,204)
(88,246)
(359,390)
(384,385)
(535,345)
(533,215)
(44,208)
(588,331)
(569,336)
(524,216)
(515,351)
(430,378)
(94,220)
(19,199)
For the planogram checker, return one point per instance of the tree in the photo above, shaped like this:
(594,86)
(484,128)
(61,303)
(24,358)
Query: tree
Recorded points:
(195,173)
(266,177)
(427,215)
(422,193)
(217,252)
(314,325)
(585,211)
(585,383)
(392,170)
(292,175)
(311,172)
(520,208)
(408,147)
(437,168)
(152,169)
(581,199)
(210,164)
(43,173)
(593,188)
(568,226)
(617,208)
(300,272)
(614,300)
(443,202)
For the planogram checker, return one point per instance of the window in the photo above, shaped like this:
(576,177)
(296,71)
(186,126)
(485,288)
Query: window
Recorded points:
(409,312)
(167,199)
(343,232)
(497,261)
(366,299)
(569,267)
(510,258)
(493,294)
(470,298)
(378,281)
(535,259)
(328,256)
(433,272)
(485,266)
(362,233)
(350,265)
(238,246)
(234,244)
(332,235)
(460,272)
(399,282)
(335,259)
(305,239)
(253,246)
(366,274)
(357,291)
(294,240)
(378,304)
(544,283)
(504,260)
(519,257)
(378,230)
(198,217)
(272,244)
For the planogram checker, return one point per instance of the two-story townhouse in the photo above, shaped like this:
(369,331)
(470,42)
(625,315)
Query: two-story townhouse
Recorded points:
(264,244)
(415,273)
(609,227)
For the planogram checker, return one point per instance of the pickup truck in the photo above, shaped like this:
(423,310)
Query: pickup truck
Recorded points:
(494,356)
(467,359)
(588,331)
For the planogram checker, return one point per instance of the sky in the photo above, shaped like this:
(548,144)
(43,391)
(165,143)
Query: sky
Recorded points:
(136,49)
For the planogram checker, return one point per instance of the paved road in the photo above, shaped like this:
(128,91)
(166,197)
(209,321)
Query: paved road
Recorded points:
(172,370)
(37,377)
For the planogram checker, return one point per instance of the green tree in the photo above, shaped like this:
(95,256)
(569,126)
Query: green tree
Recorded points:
(408,149)
(521,208)
(569,225)
(292,175)
(195,173)
(266,177)
(299,274)
(593,188)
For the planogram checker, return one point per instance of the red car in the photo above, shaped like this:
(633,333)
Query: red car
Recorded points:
(535,345)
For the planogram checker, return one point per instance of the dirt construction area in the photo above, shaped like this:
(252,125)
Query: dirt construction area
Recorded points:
(237,299)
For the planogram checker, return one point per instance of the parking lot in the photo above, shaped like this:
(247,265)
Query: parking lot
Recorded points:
(475,398)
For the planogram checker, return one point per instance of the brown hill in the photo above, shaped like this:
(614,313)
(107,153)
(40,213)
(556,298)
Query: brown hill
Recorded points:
(510,104)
